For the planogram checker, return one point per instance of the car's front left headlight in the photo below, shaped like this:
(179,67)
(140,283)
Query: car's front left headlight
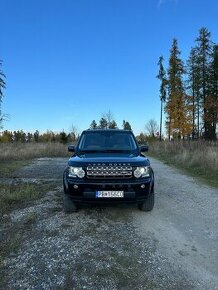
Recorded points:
(76,172)
(143,171)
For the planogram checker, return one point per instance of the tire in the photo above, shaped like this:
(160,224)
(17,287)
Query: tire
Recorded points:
(148,204)
(69,205)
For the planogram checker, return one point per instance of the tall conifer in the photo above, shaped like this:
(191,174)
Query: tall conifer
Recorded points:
(2,86)
(178,123)
(193,98)
(204,50)
(214,94)
(163,82)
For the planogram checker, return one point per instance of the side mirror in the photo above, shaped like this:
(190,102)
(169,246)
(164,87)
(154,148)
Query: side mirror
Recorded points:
(144,148)
(71,148)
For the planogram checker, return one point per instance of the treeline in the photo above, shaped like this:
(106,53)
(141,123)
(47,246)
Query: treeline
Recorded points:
(189,91)
(62,137)
(49,136)
(108,123)
(105,122)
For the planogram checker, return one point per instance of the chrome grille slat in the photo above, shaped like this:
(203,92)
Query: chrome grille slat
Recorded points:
(109,171)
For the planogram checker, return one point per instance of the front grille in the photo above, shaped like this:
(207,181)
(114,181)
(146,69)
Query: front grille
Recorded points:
(109,171)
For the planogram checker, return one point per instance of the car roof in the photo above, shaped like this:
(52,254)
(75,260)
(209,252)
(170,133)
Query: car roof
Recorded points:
(108,130)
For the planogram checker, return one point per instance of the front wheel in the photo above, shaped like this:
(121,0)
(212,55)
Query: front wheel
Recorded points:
(148,204)
(69,205)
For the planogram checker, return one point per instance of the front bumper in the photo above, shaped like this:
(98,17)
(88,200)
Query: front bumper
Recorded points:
(84,191)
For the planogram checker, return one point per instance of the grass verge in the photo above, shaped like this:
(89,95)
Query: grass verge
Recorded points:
(197,158)
(18,195)
(8,167)
(16,155)
(28,151)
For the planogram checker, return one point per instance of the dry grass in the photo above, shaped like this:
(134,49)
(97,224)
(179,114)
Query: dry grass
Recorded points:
(16,155)
(28,151)
(200,158)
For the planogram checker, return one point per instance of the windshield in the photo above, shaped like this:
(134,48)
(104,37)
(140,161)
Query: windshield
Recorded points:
(107,141)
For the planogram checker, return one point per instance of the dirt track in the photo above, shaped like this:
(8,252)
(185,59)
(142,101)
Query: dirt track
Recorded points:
(115,247)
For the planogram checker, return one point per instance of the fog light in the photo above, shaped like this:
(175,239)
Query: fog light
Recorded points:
(75,186)
(142,186)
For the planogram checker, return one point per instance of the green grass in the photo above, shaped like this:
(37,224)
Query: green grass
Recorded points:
(7,168)
(18,195)
(196,158)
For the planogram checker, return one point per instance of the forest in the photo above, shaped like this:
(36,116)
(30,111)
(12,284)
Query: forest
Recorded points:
(189,90)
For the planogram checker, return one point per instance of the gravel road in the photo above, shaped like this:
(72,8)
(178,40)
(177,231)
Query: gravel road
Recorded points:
(113,247)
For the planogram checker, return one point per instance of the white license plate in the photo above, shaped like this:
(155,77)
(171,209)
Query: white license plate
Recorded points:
(109,193)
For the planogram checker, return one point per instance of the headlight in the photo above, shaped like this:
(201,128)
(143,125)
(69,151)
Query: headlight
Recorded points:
(142,171)
(76,172)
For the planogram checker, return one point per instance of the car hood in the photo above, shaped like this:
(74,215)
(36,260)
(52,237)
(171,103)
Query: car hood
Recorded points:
(85,160)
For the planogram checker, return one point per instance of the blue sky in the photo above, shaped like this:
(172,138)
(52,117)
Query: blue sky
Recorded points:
(69,61)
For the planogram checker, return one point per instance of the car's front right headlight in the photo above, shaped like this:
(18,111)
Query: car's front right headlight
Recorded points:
(76,172)
(142,171)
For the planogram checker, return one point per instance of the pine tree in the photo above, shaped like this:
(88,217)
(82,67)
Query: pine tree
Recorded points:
(126,125)
(93,125)
(2,86)
(36,136)
(103,123)
(178,124)
(112,125)
(193,99)
(162,77)
(214,93)
(204,50)
(63,137)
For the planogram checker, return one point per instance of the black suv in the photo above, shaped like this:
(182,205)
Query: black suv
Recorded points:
(107,166)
